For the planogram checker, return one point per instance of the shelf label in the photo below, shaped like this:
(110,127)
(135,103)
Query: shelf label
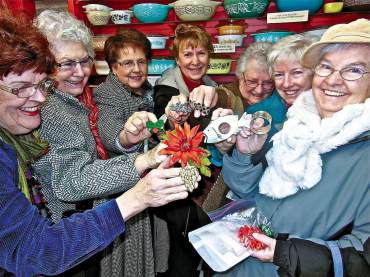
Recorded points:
(285,17)
(224,48)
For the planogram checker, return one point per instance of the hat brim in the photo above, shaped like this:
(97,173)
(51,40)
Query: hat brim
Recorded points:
(311,56)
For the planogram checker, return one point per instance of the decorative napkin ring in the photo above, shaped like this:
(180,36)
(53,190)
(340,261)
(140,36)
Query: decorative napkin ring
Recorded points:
(189,175)
(200,107)
(155,127)
(181,107)
(267,119)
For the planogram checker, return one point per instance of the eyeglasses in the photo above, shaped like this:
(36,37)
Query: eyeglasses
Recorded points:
(349,73)
(130,64)
(70,65)
(45,86)
(253,83)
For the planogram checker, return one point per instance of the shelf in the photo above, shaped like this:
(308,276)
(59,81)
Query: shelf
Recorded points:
(253,25)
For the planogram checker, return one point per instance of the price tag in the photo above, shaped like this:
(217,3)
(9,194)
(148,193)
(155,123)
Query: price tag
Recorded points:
(285,17)
(224,48)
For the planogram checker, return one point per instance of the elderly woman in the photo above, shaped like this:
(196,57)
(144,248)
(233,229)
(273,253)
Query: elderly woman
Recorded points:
(125,91)
(31,244)
(76,172)
(254,82)
(316,187)
(290,78)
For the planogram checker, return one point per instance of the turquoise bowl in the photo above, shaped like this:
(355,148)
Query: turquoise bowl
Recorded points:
(158,66)
(151,12)
(299,5)
(271,36)
(245,8)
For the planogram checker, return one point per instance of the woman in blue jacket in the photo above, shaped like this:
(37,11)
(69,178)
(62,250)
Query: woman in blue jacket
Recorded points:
(29,243)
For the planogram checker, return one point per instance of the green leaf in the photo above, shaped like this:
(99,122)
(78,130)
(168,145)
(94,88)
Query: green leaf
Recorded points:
(205,171)
(205,161)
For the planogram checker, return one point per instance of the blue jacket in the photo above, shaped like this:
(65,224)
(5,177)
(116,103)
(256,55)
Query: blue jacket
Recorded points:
(31,244)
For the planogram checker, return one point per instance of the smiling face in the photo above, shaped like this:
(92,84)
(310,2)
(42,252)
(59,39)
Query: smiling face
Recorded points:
(193,62)
(291,79)
(131,68)
(332,93)
(255,84)
(21,115)
(73,80)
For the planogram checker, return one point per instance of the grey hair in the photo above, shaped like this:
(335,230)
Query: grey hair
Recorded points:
(57,25)
(339,46)
(289,47)
(257,51)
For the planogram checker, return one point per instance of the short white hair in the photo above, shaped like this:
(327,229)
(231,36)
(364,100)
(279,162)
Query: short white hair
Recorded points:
(257,51)
(57,25)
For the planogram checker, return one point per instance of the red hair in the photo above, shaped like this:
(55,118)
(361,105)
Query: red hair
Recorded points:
(22,46)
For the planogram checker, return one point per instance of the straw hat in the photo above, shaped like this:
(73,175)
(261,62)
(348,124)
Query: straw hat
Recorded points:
(354,32)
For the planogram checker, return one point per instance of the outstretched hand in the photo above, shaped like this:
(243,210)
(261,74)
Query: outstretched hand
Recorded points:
(135,130)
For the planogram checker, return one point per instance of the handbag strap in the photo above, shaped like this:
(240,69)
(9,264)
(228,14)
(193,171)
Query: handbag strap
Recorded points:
(337,258)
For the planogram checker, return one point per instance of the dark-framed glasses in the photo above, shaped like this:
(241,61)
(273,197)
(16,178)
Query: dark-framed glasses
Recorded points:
(348,73)
(45,86)
(130,64)
(70,65)
(267,85)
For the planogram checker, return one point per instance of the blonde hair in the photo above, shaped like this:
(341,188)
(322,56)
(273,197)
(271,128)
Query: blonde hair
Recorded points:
(191,36)
(290,47)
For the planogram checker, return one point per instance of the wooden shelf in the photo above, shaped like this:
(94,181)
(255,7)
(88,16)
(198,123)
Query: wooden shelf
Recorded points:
(253,25)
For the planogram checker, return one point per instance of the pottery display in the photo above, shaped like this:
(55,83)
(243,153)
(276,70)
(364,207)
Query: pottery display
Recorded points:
(245,8)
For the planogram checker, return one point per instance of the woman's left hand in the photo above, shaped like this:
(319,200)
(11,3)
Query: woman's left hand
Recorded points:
(225,145)
(267,254)
(204,98)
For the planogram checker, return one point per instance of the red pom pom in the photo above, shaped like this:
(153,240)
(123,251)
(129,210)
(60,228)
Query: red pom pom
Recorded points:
(246,237)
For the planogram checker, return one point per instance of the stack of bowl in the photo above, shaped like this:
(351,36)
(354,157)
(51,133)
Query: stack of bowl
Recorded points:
(231,34)
(97,14)
(195,10)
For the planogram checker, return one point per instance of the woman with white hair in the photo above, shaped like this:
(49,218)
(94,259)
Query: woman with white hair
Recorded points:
(316,188)
(76,173)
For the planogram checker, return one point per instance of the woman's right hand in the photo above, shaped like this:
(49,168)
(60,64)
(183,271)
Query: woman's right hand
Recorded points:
(135,130)
(248,142)
(173,116)
(159,187)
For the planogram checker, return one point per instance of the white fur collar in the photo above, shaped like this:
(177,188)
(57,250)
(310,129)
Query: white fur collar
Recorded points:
(294,160)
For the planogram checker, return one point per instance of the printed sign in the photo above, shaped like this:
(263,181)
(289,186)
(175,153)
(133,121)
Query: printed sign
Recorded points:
(224,48)
(285,17)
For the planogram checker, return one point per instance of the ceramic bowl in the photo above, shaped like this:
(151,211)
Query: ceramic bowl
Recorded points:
(98,17)
(101,67)
(158,66)
(96,7)
(231,30)
(334,7)
(151,12)
(271,36)
(98,42)
(290,5)
(236,39)
(158,42)
(121,16)
(219,66)
(195,10)
(357,5)
(245,8)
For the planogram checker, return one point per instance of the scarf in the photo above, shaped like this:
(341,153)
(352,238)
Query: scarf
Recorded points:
(191,84)
(294,160)
(87,99)
(27,148)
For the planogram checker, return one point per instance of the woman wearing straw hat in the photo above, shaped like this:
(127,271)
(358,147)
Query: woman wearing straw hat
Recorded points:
(316,187)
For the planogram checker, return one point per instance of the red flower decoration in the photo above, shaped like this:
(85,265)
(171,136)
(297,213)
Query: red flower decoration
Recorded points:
(245,237)
(183,145)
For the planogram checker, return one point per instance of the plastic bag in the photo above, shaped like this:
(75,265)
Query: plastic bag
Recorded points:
(218,243)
